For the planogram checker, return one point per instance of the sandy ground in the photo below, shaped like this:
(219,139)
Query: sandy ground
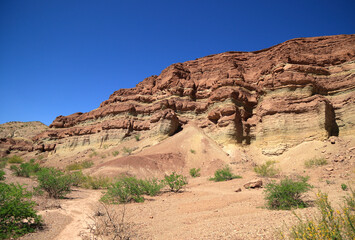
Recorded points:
(205,209)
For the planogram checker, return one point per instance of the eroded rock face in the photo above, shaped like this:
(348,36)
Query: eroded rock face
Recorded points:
(275,98)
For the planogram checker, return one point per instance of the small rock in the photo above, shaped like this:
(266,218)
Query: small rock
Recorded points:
(329,169)
(255,183)
(238,190)
(332,140)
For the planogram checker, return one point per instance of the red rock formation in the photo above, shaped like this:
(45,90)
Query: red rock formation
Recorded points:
(281,95)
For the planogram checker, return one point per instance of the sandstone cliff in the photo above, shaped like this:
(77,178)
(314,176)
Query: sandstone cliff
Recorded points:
(276,98)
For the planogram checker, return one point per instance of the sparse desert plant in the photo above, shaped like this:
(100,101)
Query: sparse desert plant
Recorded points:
(192,151)
(79,165)
(2,175)
(224,174)
(332,224)
(127,150)
(77,178)
(344,187)
(3,162)
(137,137)
(26,169)
(152,186)
(115,153)
(109,223)
(287,194)
(350,200)
(93,154)
(195,172)
(96,182)
(124,190)
(315,162)
(17,216)
(15,159)
(54,182)
(267,169)
(175,182)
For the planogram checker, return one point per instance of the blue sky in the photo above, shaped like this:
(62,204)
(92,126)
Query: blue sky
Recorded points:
(58,57)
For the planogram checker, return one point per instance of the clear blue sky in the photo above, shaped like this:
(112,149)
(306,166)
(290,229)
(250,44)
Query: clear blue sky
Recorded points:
(58,57)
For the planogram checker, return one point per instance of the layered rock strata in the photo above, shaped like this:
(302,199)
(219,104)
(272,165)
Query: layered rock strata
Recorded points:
(276,98)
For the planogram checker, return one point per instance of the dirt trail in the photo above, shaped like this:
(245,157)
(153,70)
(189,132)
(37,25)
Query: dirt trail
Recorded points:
(79,208)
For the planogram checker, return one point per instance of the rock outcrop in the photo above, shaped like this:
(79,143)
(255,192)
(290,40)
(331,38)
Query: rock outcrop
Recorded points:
(276,98)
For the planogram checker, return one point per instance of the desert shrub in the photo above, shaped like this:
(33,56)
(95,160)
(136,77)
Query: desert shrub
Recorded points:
(192,151)
(350,200)
(77,178)
(286,194)
(123,191)
(17,216)
(332,224)
(26,169)
(109,223)
(315,162)
(3,162)
(93,154)
(175,182)
(15,159)
(2,175)
(267,169)
(137,137)
(151,187)
(195,172)
(94,182)
(54,182)
(127,150)
(223,174)
(115,153)
(344,187)
(79,166)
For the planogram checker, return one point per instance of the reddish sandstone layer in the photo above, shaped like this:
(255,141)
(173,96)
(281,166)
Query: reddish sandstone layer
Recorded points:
(237,97)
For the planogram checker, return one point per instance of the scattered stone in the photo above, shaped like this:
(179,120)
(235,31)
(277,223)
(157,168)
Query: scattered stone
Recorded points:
(332,140)
(329,169)
(255,183)
(238,190)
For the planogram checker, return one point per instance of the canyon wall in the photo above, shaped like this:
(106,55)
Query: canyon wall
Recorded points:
(274,99)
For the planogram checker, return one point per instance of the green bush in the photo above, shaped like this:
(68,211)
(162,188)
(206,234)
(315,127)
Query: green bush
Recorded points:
(137,137)
(2,175)
(195,172)
(17,216)
(54,182)
(267,169)
(15,159)
(332,224)
(344,187)
(175,182)
(77,178)
(123,191)
(286,194)
(192,151)
(93,182)
(93,154)
(127,150)
(115,153)
(26,169)
(3,162)
(315,162)
(350,200)
(224,174)
(79,166)
(151,187)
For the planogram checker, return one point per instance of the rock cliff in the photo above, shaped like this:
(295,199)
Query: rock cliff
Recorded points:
(274,99)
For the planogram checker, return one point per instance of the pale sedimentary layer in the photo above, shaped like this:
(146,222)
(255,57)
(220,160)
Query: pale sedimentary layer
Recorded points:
(276,98)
